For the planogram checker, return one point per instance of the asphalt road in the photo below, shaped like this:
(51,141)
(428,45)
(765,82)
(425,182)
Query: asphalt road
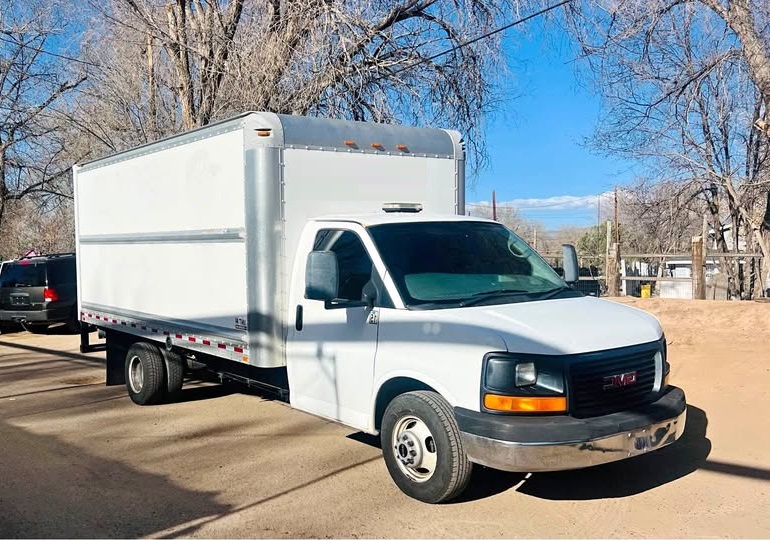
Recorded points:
(79,459)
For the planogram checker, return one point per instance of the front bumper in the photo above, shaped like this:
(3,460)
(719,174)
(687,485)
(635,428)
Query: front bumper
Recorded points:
(555,443)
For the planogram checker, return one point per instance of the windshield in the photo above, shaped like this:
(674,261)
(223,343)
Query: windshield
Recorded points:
(464,263)
(22,275)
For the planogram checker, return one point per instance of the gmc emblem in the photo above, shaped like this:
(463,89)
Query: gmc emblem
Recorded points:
(619,381)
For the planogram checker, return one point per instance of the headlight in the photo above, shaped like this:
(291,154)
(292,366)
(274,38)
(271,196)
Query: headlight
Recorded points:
(523,383)
(525,374)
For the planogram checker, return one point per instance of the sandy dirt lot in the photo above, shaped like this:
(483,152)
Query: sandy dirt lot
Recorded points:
(79,459)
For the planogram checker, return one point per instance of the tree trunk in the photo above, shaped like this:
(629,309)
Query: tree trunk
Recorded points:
(762,238)
(151,89)
(177,23)
(741,20)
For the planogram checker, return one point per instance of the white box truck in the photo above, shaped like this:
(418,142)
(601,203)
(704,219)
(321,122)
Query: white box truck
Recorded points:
(330,262)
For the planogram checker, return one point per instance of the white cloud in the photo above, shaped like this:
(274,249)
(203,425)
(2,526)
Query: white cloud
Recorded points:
(556,204)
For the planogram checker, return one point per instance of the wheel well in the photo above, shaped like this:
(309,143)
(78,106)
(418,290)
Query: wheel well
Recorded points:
(392,388)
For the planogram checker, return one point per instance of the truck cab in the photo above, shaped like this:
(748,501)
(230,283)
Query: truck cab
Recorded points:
(452,338)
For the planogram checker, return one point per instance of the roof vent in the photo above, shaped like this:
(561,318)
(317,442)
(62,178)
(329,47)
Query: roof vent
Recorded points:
(410,208)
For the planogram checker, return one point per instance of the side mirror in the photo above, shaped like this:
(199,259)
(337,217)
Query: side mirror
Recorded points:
(369,294)
(321,276)
(570,263)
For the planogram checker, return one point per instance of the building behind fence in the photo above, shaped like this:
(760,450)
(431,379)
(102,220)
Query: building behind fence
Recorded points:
(699,274)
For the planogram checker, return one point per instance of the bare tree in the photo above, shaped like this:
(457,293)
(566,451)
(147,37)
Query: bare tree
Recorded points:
(660,217)
(33,81)
(182,63)
(685,81)
(44,228)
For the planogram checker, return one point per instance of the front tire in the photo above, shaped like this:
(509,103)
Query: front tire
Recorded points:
(422,447)
(145,374)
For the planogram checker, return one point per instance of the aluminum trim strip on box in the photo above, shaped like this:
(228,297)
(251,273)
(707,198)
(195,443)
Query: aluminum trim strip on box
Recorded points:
(167,237)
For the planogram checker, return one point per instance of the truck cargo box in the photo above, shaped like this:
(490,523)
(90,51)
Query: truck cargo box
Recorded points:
(191,239)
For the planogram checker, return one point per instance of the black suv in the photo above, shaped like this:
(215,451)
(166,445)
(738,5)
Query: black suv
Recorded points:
(39,291)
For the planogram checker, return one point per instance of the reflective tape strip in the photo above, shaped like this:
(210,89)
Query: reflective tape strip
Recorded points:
(185,337)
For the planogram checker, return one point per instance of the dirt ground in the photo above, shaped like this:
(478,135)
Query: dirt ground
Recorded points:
(79,459)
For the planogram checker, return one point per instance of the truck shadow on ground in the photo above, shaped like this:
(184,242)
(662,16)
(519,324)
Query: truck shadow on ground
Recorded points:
(57,490)
(200,388)
(613,480)
(56,329)
(57,355)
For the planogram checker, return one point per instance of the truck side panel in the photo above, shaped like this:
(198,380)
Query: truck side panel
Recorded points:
(163,233)
(173,281)
(166,190)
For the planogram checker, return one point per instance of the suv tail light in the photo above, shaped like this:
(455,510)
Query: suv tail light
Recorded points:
(49,295)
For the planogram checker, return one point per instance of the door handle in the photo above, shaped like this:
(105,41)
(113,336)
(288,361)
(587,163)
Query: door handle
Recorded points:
(298,322)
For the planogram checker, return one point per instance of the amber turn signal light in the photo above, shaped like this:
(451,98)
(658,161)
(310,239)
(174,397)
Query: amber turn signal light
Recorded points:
(494,402)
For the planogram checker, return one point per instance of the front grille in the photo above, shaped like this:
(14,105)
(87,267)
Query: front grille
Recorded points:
(588,394)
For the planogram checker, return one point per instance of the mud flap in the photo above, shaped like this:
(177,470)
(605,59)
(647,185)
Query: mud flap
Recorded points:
(116,359)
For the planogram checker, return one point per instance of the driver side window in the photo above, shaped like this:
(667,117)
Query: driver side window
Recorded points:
(355,266)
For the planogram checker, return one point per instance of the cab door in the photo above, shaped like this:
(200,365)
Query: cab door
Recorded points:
(331,349)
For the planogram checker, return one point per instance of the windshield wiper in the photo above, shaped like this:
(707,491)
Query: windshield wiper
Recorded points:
(475,298)
(479,297)
(498,291)
(550,293)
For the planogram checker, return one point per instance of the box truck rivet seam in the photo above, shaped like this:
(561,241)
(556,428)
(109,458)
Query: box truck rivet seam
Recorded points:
(350,284)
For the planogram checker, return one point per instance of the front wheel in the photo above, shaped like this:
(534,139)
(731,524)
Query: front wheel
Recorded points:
(422,447)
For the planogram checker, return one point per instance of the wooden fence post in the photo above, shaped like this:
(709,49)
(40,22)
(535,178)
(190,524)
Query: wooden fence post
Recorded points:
(613,270)
(698,269)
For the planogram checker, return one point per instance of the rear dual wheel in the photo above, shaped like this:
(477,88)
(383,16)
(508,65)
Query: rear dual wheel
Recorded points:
(151,378)
(144,373)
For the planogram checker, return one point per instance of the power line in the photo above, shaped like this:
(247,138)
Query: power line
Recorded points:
(476,39)
(461,45)
(44,51)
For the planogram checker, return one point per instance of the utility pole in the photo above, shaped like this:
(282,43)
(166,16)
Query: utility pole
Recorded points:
(617,229)
(607,251)
(494,206)
(534,243)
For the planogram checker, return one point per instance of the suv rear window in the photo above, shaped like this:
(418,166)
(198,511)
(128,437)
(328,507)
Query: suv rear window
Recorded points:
(61,272)
(23,275)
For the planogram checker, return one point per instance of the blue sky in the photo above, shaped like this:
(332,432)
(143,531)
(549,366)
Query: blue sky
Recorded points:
(539,160)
